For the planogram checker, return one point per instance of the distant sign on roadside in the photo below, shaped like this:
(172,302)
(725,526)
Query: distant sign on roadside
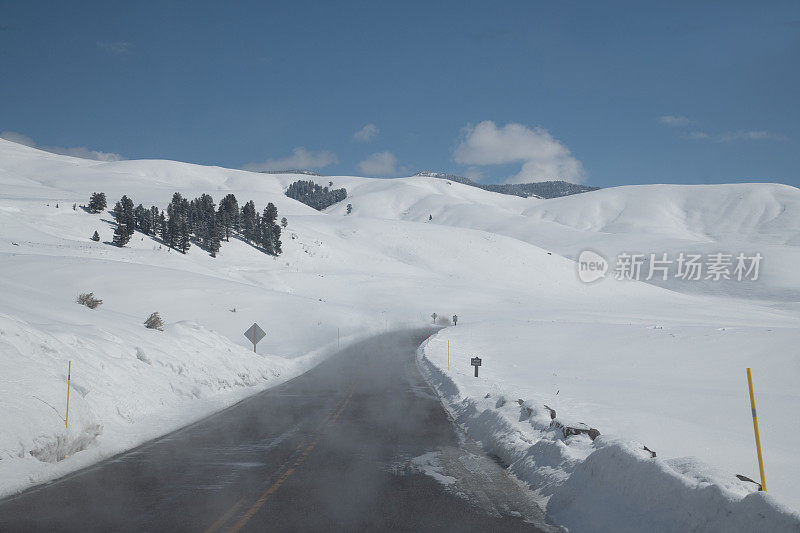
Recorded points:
(476,362)
(254,334)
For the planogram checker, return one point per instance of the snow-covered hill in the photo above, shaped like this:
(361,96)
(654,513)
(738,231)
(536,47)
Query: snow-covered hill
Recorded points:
(411,246)
(705,219)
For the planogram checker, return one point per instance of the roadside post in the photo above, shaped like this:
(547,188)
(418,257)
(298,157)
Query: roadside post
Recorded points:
(254,334)
(476,362)
(755,429)
(69,374)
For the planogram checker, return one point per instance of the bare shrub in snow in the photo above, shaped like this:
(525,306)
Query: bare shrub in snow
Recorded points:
(88,299)
(154,322)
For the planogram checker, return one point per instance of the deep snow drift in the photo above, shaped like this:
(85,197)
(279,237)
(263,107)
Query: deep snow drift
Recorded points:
(628,358)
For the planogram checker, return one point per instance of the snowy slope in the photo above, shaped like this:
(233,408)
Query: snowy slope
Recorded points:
(383,266)
(646,219)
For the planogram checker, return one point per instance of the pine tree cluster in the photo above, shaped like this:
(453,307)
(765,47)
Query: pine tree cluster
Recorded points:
(199,221)
(261,230)
(314,195)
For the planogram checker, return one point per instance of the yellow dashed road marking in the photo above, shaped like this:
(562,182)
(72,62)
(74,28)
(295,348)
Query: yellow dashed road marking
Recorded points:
(224,518)
(337,410)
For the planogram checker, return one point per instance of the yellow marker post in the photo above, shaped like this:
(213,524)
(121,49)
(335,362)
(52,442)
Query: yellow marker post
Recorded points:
(755,428)
(69,373)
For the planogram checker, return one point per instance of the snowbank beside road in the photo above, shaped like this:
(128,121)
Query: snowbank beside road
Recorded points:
(613,483)
(128,385)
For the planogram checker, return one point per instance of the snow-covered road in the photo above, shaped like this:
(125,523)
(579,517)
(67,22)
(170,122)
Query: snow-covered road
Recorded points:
(358,443)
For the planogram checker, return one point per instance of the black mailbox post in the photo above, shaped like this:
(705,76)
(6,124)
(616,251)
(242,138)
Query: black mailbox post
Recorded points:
(476,362)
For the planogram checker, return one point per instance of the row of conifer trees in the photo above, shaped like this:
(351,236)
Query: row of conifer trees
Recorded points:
(197,221)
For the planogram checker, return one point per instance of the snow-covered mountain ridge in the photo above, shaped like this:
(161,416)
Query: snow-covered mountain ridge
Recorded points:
(539,189)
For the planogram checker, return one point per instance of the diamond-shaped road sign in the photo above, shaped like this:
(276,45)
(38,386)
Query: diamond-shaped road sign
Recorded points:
(254,334)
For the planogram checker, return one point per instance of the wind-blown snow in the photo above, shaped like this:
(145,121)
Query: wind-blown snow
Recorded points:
(630,358)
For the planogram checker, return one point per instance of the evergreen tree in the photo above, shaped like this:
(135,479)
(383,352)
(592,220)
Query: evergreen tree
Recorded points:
(276,239)
(265,234)
(270,230)
(96,236)
(163,228)
(193,218)
(97,202)
(142,222)
(248,221)
(172,227)
(225,224)
(349,208)
(176,201)
(154,221)
(213,236)
(121,235)
(124,215)
(270,214)
(184,238)
(284,222)
(230,206)
(206,223)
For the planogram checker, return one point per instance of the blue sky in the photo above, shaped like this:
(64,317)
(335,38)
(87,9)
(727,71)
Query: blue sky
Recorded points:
(604,93)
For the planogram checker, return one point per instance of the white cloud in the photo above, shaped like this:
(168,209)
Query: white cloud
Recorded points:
(680,121)
(118,48)
(749,136)
(732,136)
(543,157)
(301,159)
(77,151)
(379,164)
(366,134)
(671,120)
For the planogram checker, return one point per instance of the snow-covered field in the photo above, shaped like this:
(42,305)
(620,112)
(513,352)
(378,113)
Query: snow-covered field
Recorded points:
(636,361)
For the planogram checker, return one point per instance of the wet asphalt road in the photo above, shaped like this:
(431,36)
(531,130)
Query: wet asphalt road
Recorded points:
(323,452)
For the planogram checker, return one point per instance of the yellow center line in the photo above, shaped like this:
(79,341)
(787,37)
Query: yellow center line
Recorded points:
(224,518)
(340,405)
(305,453)
(345,404)
(259,502)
